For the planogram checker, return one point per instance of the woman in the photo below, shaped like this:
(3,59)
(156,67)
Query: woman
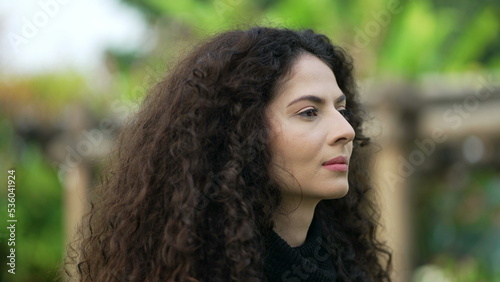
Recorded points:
(246,163)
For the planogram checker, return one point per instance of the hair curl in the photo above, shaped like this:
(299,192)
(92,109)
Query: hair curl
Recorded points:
(188,196)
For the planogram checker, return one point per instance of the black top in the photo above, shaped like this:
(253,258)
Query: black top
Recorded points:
(308,262)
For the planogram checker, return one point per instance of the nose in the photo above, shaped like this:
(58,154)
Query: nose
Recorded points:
(340,130)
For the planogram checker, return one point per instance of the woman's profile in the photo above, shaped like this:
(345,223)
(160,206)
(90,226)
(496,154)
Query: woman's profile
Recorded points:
(247,162)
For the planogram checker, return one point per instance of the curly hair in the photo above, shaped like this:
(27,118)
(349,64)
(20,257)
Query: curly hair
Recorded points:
(188,195)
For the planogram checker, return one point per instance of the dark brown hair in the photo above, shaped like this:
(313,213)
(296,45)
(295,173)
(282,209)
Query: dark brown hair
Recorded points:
(188,196)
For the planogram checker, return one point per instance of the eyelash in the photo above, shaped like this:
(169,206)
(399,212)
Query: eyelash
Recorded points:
(305,113)
(344,112)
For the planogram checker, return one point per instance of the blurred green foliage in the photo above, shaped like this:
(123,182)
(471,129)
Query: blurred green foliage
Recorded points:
(457,225)
(404,38)
(39,239)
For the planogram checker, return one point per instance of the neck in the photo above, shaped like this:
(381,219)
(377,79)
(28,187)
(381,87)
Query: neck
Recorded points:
(293,219)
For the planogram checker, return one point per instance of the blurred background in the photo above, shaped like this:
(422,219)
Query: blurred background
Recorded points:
(71,71)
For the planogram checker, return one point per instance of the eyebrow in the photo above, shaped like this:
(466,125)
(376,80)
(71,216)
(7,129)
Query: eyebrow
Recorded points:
(316,99)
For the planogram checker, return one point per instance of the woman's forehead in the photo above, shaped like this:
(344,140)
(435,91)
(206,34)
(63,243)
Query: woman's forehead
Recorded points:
(309,76)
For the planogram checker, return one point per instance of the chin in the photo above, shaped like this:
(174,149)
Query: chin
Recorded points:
(346,190)
(339,192)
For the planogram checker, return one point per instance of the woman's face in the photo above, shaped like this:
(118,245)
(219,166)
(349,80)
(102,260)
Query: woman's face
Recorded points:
(311,141)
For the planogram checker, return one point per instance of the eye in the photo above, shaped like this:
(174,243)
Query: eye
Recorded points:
(345,113)
(309,113)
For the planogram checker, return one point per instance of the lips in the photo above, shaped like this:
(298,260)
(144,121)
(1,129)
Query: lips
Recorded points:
(337,164)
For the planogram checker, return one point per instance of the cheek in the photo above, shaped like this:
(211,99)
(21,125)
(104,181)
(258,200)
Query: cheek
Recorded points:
(292,148)
(276,148)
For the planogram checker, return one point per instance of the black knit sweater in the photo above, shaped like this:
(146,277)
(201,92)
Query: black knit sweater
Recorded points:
(308,262)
